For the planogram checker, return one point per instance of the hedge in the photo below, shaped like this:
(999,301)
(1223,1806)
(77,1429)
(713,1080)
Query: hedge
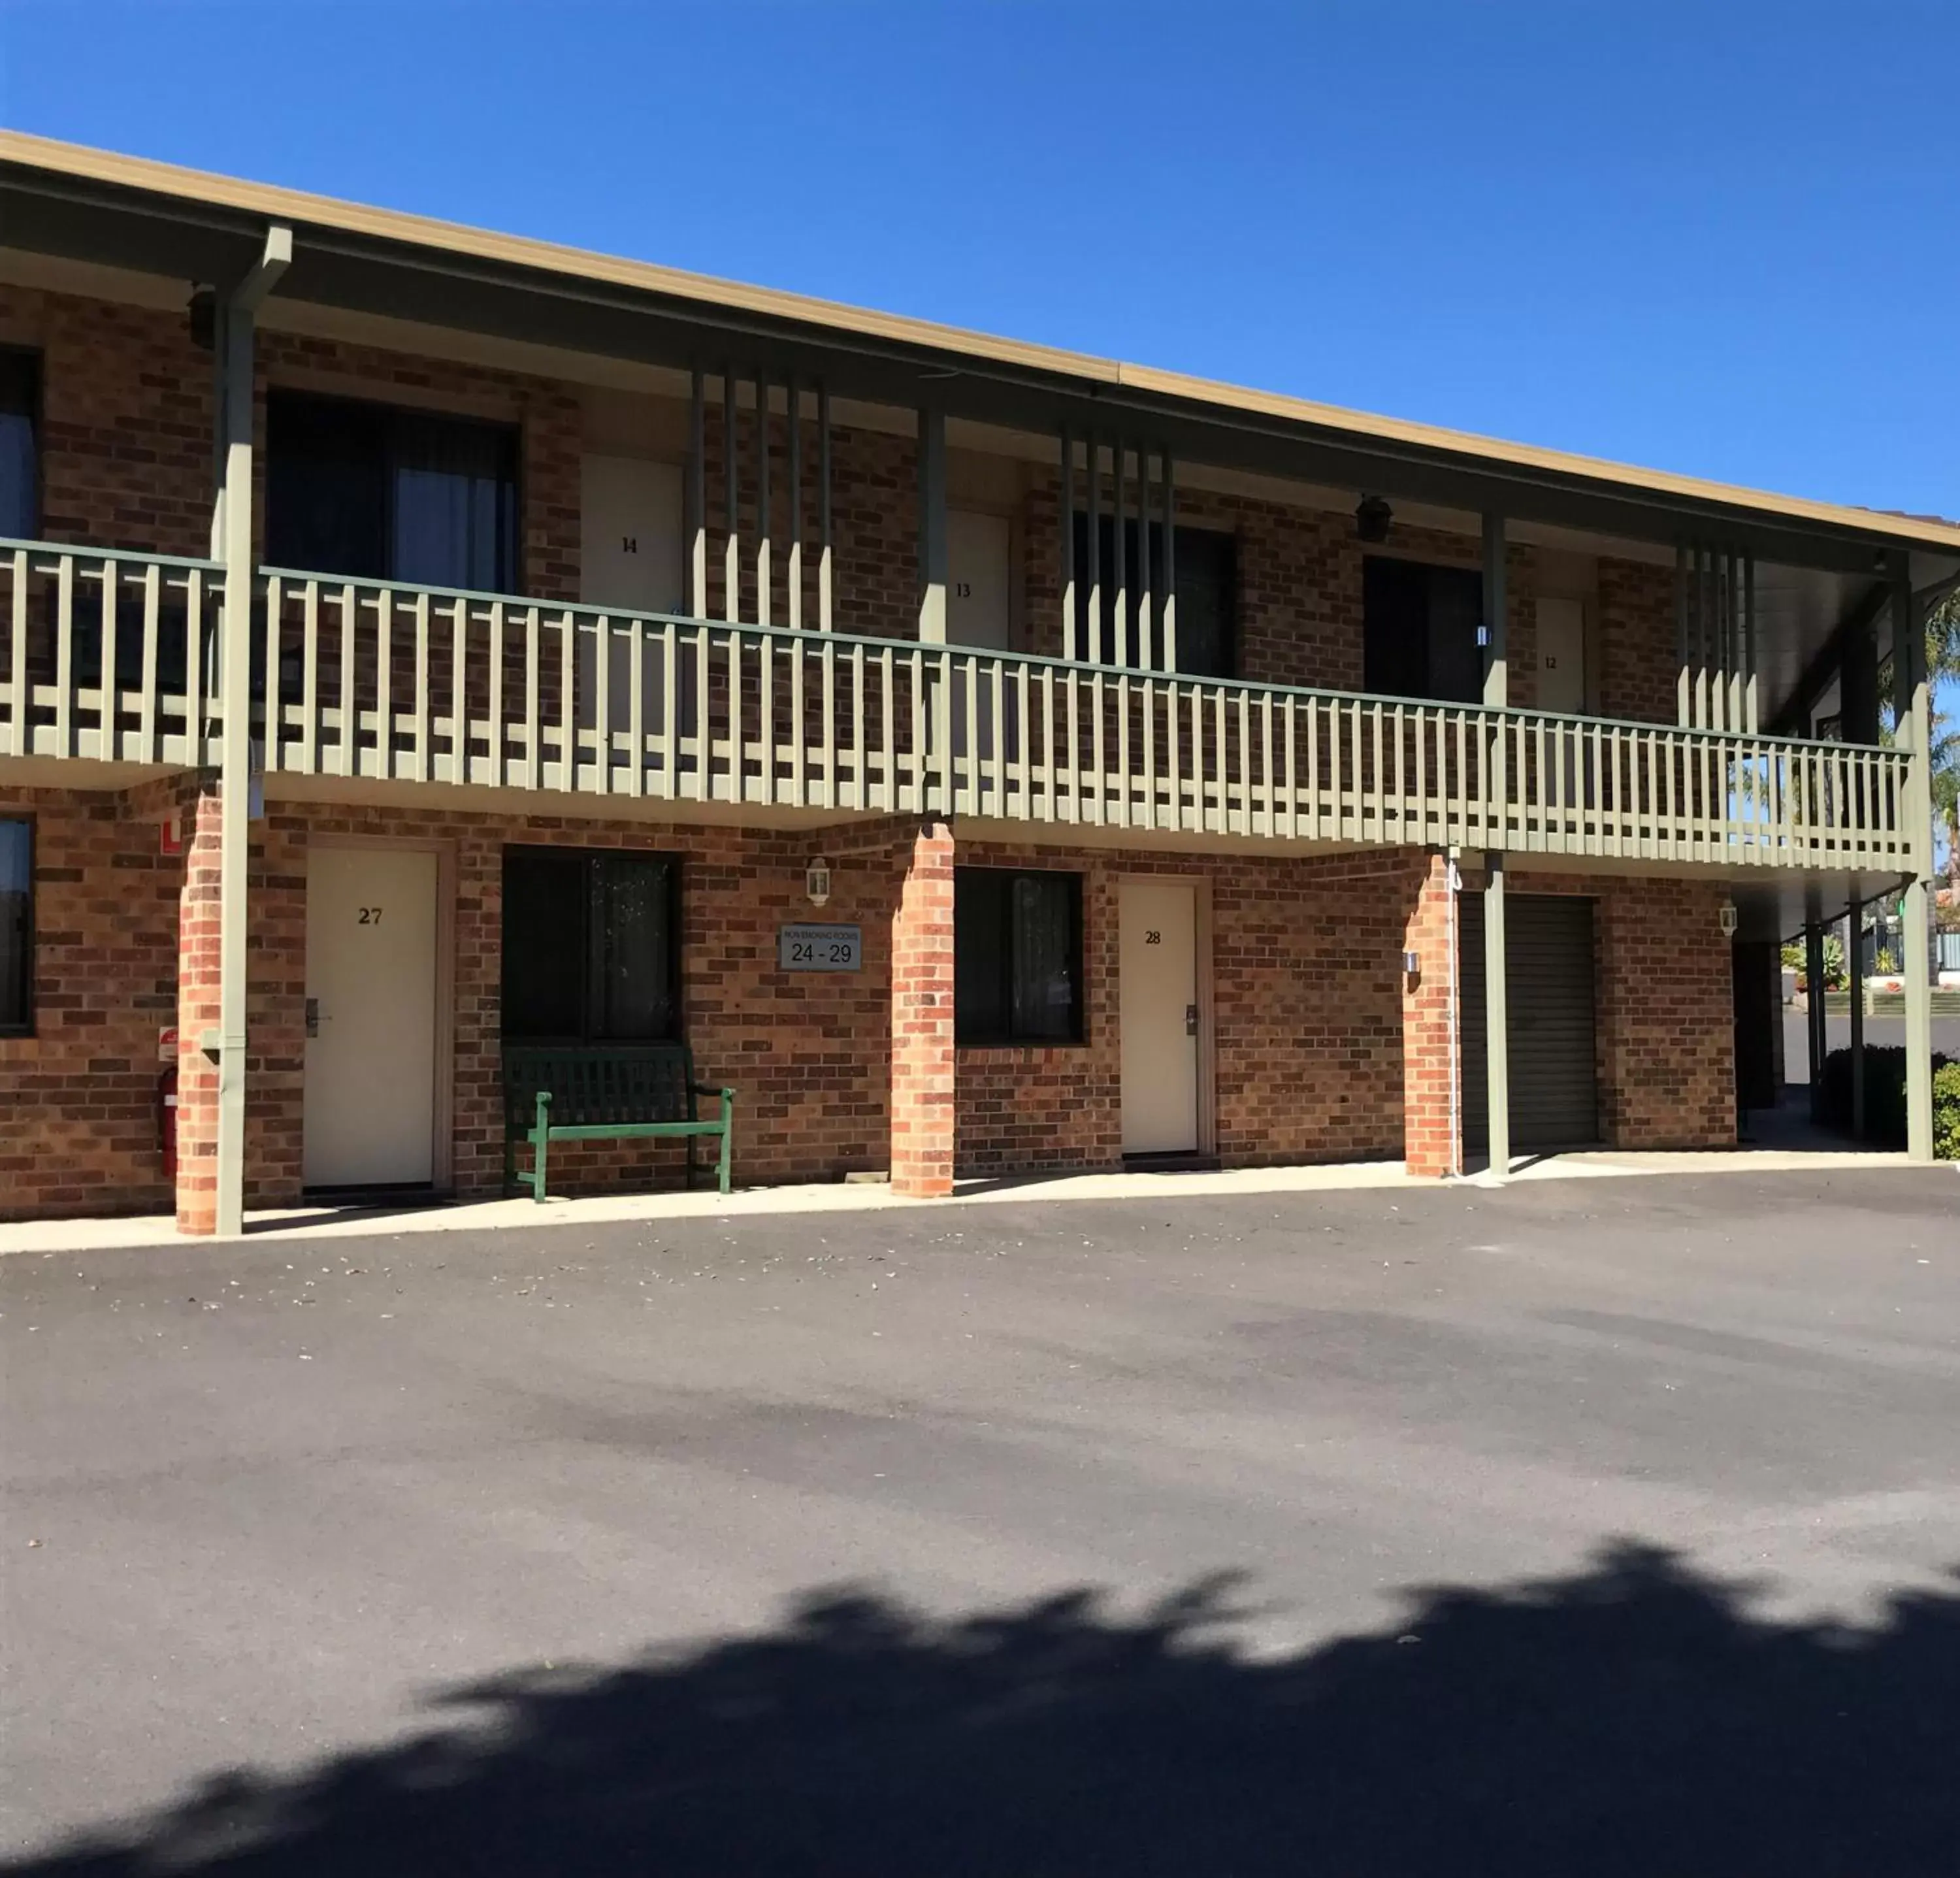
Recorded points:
(1885,1098)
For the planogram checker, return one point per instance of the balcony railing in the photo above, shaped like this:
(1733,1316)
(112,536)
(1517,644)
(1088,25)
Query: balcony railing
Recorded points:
(391,683)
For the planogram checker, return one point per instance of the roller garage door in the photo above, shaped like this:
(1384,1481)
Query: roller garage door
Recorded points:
(1548,984)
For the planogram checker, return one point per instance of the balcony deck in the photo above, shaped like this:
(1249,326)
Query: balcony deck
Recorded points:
(390,682)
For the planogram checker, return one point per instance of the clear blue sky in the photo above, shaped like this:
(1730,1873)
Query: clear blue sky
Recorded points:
(1722,238)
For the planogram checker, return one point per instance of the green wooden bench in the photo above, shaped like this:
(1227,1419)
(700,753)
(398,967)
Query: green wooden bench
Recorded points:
(591,1092)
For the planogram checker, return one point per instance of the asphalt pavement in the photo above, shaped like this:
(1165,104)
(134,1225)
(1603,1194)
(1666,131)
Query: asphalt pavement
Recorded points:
(1605,1525)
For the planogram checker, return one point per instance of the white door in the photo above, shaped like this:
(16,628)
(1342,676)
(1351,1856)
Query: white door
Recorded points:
(370,1087)
(1561,655)
(979,574)
(1561,686)
(631,555)
(1159,1002)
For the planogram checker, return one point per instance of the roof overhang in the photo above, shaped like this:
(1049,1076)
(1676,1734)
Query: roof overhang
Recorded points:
(126,212)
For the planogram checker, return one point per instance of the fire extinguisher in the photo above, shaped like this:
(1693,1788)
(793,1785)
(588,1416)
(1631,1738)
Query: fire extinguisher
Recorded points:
(166,1120)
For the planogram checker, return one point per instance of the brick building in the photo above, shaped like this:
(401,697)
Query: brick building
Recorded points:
(1172,772)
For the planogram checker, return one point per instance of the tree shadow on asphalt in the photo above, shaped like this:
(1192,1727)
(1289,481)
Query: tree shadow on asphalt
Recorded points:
(1637,1717)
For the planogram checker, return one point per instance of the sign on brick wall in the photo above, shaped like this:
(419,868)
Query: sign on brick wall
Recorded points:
(819,948)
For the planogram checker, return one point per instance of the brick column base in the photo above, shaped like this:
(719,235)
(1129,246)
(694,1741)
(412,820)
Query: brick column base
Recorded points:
(923,1113)
(1429,1136)
(198,912)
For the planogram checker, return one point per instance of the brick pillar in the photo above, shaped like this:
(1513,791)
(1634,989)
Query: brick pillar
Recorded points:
(1428,1138)
(197,1012)
(923,1113)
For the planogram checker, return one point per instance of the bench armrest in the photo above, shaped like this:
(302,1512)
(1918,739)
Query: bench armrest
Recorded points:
(709,1089)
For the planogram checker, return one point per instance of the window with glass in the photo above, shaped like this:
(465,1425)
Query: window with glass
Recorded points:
(1018,956)
(1419,630)
(591,947)
(20,444)
(389,495)
(1207,594)
(17,927)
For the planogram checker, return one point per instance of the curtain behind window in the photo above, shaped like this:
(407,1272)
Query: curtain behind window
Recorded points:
(386,495)
(20,403)
(454,504)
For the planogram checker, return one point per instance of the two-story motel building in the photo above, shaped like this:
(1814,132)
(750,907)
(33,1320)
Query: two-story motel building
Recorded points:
(415,640)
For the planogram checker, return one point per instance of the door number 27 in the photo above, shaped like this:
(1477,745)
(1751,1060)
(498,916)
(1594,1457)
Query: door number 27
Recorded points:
(371,916)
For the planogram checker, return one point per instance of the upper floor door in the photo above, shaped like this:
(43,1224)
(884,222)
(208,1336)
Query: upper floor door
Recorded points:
(630,556)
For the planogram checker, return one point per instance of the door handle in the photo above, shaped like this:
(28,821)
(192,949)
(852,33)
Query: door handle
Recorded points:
(1191,1020)
(312,1017)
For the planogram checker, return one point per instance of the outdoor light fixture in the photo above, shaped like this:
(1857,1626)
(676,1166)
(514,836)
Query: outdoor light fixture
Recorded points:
(203,315)
(816,881)
(1727,918)
(1372,518)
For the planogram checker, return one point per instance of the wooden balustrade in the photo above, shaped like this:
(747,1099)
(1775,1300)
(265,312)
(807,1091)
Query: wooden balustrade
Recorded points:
(391,683)
(107,655)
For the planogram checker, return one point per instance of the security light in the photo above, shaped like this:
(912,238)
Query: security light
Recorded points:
(1372,519)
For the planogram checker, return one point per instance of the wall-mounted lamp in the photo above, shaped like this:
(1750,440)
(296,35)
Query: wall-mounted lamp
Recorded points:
(203,312)
(1412,970)
(1372,517)
(1726,919)
(816,881)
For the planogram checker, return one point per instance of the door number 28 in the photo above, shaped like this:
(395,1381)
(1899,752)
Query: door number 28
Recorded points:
(1152,936)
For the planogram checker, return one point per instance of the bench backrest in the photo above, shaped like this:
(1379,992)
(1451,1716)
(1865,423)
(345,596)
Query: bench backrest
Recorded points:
(592,1084)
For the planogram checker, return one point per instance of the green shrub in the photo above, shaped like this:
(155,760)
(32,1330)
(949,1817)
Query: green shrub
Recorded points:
(1946,1112)
(1884,1097)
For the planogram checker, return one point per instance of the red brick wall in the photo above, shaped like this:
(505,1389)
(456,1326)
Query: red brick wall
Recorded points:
(1666,1015)
(808,1052)
(923,1094)
(1306,1021)
(1638,667)
(1430,1071)
(126,422)
(78,1098)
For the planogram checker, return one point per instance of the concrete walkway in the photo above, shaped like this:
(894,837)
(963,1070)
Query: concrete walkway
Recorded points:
(309,1223)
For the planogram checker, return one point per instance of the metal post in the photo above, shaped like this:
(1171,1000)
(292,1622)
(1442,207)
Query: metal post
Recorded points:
(1069,650)
(1683,705)
(764,583)
(1496,659)
(1913,718)
(1168,606)
(794,569)
(731,550)
(1818,1032)
(1119,573)
(697,498)
(823,505)
(1854,983)
(932,525)
(235,415)
(1094,651)
(1496,1031)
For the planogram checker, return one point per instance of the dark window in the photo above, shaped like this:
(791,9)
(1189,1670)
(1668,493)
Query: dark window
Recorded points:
(1017,952)
(1420,627)
(590,950)
(19,455)
(17,927)
(1207,594)
(387,494)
